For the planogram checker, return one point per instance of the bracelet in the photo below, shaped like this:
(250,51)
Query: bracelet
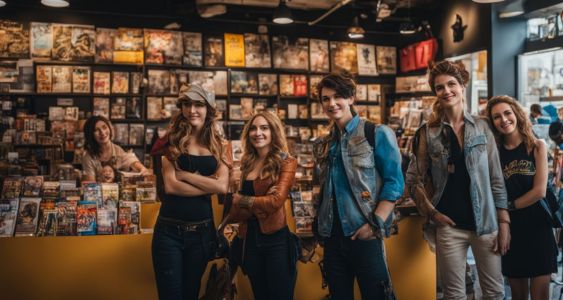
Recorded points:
(432,213)
(504,221)
(246,202)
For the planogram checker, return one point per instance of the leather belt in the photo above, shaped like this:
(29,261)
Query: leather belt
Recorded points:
(185,226)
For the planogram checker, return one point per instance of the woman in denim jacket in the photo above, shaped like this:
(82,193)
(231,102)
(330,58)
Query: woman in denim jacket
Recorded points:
(456,181)
(532,256)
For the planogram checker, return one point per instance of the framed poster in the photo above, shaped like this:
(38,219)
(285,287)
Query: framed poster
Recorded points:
(214,51)
(386,60)
(104,45)
(234,50)
(41,40)
(128,46)
(343,57)
(318,55)
(366,60)
(290,53)
(14,42)
(257,51)
(193,50)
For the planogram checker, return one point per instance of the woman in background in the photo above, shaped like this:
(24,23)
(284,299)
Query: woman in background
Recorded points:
(532,256)
(267,174)
(101,152)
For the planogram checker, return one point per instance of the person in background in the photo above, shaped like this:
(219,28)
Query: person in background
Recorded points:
(456,180)
(101,151)
(360,182)
(538,115)
(532,256)
(267,175)
(194,166)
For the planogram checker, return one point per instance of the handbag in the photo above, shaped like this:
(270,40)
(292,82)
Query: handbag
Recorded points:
(220,244)
(550,205)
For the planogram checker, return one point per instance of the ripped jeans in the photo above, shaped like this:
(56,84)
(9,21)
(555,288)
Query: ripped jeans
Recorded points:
(345,259)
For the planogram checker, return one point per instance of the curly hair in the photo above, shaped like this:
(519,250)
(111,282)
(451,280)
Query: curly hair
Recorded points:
(90,143)
(272,163)
(523,124)
(455,69)
(180,133)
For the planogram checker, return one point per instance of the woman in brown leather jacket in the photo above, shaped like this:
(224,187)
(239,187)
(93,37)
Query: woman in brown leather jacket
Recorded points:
(267,174)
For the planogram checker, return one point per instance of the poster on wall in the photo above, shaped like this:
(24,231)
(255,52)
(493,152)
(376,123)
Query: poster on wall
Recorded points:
(234,50)
(104,45)
(257,50)
(366,60)
(290,53)
(82,43)
(220,82)
(41,40)
(159,82)
(361,92)
(163,47)
(192,49)
(318,55)
(102,82)
(374,92)
(343,57)
(14,42)
(62,35)
(214,51)
(62,78)
(44,78)
(313,82)
(286,85)
(119,82)
(386,60)
(128,46)
(268,84)
(81,80)
(244,82)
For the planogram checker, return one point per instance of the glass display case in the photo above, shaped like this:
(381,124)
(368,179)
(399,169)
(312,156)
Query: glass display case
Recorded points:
(541,78)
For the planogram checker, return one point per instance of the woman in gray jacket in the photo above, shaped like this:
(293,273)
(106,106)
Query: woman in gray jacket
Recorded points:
(456,181)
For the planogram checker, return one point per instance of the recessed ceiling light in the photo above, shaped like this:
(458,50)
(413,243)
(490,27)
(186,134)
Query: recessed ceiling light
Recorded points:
(55,3)
(283,14)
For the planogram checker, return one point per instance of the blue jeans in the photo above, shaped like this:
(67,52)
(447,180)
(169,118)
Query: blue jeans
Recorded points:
(345,259)
(269,263)
(179,260)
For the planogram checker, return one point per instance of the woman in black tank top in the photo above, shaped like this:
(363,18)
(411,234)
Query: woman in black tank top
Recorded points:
(193,168)
(531,259)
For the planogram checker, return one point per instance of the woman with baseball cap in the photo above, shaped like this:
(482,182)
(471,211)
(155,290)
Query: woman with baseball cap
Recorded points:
(195,165)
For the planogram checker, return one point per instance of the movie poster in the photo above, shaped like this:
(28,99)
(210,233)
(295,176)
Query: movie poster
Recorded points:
(234,50)
(386,60)
(214,52)
(193,49)
(343,56)
(366,60)
(41,40)
(62,79)
(14,39)
(291,53)
(104,45)
(318,55)
(128,46)
(257,50)
(83,43)
(62,36)
(163,47)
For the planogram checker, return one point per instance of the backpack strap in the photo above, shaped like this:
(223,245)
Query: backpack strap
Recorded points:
(369,132)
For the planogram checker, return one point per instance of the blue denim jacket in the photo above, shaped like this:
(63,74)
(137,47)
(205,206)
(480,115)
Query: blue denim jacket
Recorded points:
(486,188)
(366,175)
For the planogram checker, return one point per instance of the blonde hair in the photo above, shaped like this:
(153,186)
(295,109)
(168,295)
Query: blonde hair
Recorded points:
(523,124)
(180,133)
(455,69)
(272,163)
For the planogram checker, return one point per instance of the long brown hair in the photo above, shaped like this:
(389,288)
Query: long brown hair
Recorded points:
(180,133)
(272,163)
(455,69)
(90,143)
(523,124)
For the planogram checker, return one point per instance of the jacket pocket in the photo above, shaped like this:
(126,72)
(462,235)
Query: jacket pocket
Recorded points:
(361,154)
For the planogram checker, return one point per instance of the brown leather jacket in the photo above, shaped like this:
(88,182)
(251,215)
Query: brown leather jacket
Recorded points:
(269,208)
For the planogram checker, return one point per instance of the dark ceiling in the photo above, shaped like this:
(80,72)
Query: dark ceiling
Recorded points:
(183,11)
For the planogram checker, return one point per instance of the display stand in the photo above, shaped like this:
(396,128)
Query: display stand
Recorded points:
(120,266)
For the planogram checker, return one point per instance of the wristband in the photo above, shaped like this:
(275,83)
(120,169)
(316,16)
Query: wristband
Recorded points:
(246,202)
(504,221)
(511,205)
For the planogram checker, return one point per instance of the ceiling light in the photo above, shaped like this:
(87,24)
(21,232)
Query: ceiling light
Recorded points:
(282,15)
(2,3)
(487,1)
(356,31)
(55,3)
(512,9)
(407,28)
(211,10)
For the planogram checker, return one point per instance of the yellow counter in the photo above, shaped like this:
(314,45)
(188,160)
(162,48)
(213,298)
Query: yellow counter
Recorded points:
(120,267)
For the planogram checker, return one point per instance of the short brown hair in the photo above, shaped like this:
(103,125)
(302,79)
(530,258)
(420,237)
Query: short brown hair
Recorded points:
(343,83)
(455,69)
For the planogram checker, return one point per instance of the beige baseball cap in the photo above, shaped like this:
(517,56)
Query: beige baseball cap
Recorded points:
(195,92)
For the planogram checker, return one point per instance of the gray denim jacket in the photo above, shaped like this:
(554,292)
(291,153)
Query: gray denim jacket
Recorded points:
(486,189)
